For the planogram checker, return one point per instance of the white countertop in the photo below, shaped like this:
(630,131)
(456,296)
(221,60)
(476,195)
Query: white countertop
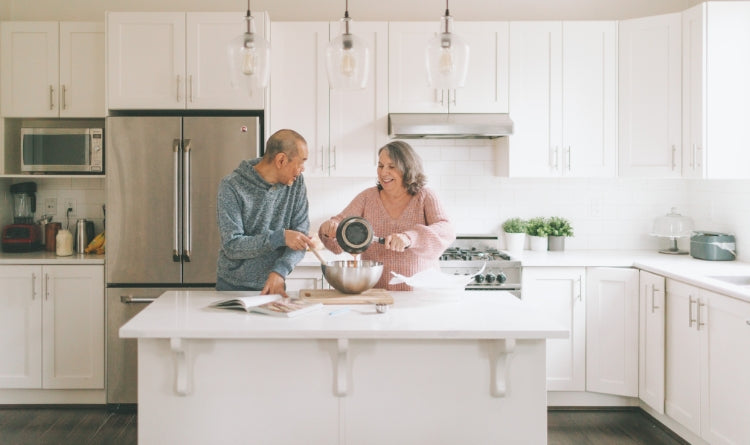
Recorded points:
(414,315)
(44,257)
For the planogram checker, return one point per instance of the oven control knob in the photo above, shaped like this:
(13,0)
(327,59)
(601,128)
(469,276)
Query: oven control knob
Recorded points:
(490,278)
(479,278)
(501,277)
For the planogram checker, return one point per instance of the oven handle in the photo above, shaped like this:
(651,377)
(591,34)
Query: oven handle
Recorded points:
(127,299)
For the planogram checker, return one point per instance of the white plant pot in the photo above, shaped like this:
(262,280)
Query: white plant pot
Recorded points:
(538,243)
(514,242)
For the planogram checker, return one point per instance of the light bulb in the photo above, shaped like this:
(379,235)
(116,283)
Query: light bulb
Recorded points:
(348,63)
(248,61)
(446,64)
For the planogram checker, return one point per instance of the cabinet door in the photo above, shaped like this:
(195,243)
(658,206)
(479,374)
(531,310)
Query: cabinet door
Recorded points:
(21,326)
(650,96)
(612,331)
(693,91)
(651,338)
(82,69)
(682,399)
(146,60)
(559,293)
(30,69)
(208,76)
(304,278)
(359,118)
(725,407)
(589,99)
(299,87)
(536,99)
(73,327)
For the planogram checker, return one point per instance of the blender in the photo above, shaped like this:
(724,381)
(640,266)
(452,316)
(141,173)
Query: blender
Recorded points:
(23,235)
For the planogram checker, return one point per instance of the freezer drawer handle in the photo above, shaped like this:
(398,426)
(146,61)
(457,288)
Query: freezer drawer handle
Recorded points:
(128,299)
(176,199)
(187,240)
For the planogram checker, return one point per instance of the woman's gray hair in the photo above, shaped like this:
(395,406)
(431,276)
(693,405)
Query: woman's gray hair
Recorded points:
(408,161)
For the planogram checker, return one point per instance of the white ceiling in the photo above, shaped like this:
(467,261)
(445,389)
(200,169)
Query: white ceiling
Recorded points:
(381,10)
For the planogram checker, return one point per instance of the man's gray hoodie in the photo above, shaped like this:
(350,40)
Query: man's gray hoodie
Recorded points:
(252,216)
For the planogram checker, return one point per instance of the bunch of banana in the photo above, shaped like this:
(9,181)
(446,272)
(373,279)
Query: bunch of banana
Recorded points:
(96,245)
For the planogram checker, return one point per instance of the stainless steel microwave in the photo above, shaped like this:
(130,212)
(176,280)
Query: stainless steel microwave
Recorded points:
(62,150)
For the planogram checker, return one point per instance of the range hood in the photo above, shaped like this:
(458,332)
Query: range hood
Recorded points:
(449,125)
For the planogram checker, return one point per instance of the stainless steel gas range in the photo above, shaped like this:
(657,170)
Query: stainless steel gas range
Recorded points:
(469,253)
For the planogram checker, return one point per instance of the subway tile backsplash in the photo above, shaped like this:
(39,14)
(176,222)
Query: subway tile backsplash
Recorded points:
(606,214)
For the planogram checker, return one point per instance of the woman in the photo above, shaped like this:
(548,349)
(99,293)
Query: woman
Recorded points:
(401,209)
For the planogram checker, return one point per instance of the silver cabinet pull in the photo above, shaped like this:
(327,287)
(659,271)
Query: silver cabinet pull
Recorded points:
(454,97)
(51,97)
(580,288)
(691,320)
(64,105)
(442,98)
(176,198)
(698,157)
(333,166)
(33,286)
(128,299)
(46,286)
(553,160)
(568,157)
(178,88)
(699,322)
(187,239)
(190,88)
(674,150)
(653,298)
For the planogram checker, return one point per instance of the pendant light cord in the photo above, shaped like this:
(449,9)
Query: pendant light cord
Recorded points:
(346,11)
(247,17)
(447,13)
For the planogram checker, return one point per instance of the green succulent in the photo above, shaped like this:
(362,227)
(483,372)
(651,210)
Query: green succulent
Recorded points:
(537,227)
(559,226)
(514,225)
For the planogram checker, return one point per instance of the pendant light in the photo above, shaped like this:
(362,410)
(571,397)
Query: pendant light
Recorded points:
(447,56)
(249,57)
(347,58)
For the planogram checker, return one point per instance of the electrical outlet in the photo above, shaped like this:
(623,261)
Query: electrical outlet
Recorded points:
(69,203)
(50,206)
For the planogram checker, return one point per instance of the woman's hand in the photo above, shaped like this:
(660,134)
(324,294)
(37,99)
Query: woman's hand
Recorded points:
(328,228)
(397,242)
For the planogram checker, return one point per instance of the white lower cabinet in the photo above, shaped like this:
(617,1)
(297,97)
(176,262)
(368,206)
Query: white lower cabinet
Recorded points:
(304,277)
(612,330)
(52,326)
(558,292)
(707,339)
(651,340)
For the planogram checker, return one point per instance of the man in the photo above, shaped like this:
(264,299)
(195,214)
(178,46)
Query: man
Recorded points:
(263,217)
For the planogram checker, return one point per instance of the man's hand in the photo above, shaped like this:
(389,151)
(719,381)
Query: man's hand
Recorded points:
(274,285)
(297,240)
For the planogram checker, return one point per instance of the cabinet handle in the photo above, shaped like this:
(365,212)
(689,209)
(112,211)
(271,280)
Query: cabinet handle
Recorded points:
(653,298)
(442,98)
(46,286)
(127,299)
(64,105)
(33,287)
(190,88)
(51,97)
(674,150)
(333,166)
(699,322)
(569,157)
(698,157)
(322,157)
(178,88)
(580,290)
(187,235)
(454,97)
(691,320)
(176,199)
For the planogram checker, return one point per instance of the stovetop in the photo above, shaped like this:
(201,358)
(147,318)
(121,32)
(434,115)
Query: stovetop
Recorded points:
(473,254)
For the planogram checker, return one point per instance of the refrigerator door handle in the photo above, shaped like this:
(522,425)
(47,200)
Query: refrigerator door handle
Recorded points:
(187,241)
(176,200)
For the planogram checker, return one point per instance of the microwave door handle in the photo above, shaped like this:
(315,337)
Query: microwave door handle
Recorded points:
(176,200)
(187,245)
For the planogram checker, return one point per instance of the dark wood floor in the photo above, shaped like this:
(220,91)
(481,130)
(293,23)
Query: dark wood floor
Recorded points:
(95,425)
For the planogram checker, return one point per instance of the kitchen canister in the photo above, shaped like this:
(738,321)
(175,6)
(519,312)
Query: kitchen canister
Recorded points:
(64,243)
(82,238)
(50,237)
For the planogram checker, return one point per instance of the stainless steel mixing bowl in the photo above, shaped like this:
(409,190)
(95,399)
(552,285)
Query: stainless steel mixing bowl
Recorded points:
(352,277)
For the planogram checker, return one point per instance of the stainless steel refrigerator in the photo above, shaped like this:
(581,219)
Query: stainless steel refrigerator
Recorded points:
(162,176)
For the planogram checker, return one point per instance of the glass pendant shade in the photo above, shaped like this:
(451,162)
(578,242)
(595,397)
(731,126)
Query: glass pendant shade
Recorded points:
(447,57)
(249,58)
(347,59)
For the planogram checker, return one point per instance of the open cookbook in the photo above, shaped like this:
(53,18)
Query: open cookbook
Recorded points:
(273,304)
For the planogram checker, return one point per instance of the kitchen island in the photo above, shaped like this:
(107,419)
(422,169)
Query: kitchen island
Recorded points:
(438,369)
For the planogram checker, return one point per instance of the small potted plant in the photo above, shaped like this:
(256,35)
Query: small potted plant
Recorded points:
(515,234)
(559,228)
(538,230)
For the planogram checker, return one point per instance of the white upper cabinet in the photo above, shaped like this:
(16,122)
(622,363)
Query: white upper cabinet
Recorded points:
(650,97)
(486,88)
(343,128)
(52,69)
(716,69)
(563,99)
(175,60)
